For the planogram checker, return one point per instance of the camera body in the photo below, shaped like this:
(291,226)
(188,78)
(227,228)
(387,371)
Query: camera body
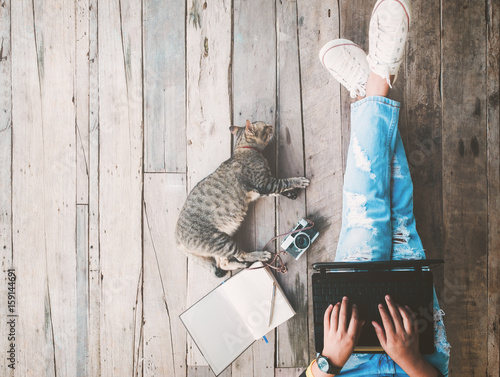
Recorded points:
(299,240)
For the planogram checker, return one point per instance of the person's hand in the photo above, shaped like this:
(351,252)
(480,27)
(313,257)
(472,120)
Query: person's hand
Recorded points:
(341,333)
(399,338)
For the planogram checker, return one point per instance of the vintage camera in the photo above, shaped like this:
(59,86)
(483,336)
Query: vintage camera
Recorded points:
(299,240)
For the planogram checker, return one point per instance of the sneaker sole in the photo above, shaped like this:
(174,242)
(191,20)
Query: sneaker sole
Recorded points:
(332,44)
(404,3)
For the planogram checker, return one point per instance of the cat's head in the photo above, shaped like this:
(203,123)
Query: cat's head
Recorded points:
(257,135)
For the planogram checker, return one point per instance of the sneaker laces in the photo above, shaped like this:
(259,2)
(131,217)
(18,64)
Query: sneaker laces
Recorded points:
(352,74)
(386,39)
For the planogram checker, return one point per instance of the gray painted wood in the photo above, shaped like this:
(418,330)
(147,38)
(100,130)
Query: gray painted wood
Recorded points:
(164,86)
(204,371)
(254,98)
(354,24)
(288,372)
(73,120)
(5,177)
(292,349)
(94,272)
(208,51)
(44,186)
(165,277)
(82,291)
(81,100)
(319,23)
(465,183)
(120,186)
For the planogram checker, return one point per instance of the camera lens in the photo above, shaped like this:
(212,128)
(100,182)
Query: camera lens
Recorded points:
(302,241)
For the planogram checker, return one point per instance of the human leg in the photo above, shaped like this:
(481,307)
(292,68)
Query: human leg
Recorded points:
(406,243)
(366,227)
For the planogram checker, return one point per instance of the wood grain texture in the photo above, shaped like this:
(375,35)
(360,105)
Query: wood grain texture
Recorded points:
(94,273)
(422,109)
(465,183)
(164,86)
(319,23)
(493,124)
(421,116)
(81,100)
(292,350)
(204,371)
(120,186)
(44,186)
(254,98)
(165,277)
(208,52)
(288,372)
(82,291)
(354,25)
(5,174)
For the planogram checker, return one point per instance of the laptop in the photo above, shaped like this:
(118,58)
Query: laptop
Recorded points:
(408,282)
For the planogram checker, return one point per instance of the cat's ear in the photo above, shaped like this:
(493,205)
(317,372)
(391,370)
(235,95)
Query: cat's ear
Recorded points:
(249,128)
(234,129)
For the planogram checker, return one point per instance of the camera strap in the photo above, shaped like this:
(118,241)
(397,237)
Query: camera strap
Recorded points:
(281,267)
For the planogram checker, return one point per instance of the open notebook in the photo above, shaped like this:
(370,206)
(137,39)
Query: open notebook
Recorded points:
(230,318)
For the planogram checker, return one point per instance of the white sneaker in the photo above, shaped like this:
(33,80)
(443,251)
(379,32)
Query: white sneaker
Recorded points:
(388,33)
(347,63)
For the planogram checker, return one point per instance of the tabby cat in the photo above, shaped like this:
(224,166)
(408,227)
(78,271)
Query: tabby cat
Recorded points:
(217,205)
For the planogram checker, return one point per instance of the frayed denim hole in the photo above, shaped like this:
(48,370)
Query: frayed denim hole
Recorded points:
(356,215)
(360,253)
(360,158)
(441,342)
(396,168)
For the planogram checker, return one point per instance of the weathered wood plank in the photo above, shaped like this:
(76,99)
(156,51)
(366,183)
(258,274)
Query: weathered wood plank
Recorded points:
(5,176)
(420,128)
(288,372)
(354,24)
(82,291)
(292,348)
(319,23)
(493,124)
(94,366)
(120,186)
(164,86)
(208,57)
(205,371)
(465,182)
(165,277)
(44,186)
(81,98)
(254,98)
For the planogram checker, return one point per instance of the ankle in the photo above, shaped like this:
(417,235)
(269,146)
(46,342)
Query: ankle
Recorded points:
(377,86)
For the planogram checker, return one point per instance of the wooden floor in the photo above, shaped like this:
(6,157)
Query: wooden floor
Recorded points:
(111,111)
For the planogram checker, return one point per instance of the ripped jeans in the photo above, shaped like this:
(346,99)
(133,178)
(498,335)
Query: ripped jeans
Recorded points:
(377,216)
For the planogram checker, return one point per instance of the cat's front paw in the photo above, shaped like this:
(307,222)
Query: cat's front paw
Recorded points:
(300,182)
(262,256)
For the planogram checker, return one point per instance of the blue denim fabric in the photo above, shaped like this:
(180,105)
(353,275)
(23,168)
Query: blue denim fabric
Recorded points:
(377,217)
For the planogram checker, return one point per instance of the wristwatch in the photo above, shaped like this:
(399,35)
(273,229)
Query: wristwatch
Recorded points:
(326,366)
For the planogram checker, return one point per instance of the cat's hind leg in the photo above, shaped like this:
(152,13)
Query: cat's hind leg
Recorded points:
(253,256)
(223,246)
(210,263)
(232,264)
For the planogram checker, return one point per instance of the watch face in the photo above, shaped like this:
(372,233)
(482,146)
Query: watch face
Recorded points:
(323,364)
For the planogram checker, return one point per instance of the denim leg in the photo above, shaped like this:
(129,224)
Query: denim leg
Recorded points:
(366,216)
(406,243)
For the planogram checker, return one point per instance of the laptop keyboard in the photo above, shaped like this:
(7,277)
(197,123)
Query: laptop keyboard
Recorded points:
(367,290)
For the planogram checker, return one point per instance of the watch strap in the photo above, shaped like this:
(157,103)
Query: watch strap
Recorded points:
(332,369)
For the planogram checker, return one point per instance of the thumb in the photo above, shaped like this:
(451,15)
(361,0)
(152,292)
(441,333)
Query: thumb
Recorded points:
(380,333)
